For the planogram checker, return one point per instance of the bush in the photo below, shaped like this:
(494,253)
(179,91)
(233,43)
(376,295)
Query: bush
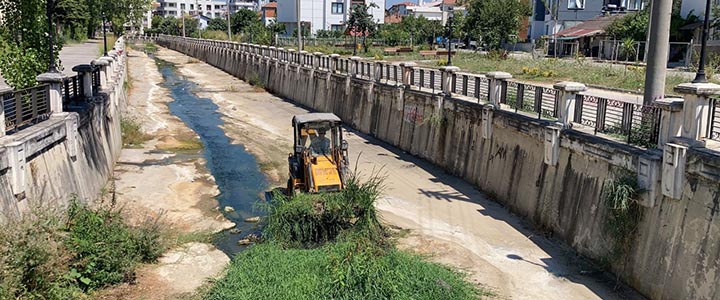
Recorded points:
(132,135)
(309,220)
(48,255)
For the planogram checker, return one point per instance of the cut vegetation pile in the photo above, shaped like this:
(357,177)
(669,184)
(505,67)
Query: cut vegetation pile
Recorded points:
(332,246)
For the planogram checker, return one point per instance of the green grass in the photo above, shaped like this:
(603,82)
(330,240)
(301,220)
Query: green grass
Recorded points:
(111,39)
(332,246)
(336,271)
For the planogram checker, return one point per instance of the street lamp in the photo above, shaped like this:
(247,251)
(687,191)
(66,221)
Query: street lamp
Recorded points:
(52,68)
(449,43)
(700,76)
(104,21)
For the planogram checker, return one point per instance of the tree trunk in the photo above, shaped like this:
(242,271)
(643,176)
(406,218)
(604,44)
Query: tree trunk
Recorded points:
(354,45)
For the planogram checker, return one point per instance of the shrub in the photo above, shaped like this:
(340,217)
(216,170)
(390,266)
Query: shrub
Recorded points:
(132,135)
(309,220)
(48,255)
(621,195)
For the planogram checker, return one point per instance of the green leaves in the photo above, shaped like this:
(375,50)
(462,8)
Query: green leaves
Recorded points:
(495,21)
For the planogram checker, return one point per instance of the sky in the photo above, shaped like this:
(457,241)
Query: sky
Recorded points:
(389,3)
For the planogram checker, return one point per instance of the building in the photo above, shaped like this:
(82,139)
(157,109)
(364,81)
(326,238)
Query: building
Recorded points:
(207,8)
(435,11)
(268,13)
(569,13)
(323,14)
(400,9)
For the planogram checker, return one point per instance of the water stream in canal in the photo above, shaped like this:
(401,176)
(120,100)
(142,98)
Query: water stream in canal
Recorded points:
(236,171)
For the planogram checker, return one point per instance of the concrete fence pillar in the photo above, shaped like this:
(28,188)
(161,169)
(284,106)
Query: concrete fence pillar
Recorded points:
(566,94)
(334,58)
(85,73)
(378,70)
(407,70)
(354,63)
(446,77)
(264,50)
(281,54)
(670,119)
(292,55)
(302,58)
(696,108)
(317,57)
(55,80)
(102,64)
(495,86)
(272,52)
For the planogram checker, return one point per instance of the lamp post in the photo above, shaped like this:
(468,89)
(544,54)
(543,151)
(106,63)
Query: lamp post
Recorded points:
(449,43)
(700,76)
(228,21)
(104,21)
(182,15)
(52,68)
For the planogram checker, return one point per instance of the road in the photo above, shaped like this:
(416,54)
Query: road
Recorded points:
(448,219)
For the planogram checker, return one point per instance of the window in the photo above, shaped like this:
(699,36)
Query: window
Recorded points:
(338,8)
(217,6)
(182,5)
(192,6)
(576,4)
(337,27)
(217,15)
(209,7)
(172,5)
(632,4)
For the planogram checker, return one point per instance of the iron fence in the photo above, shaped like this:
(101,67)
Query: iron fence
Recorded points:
(72,90)
(26,107)
(529,98)
(96,80)
(713,131)
(637,124)
(471,85)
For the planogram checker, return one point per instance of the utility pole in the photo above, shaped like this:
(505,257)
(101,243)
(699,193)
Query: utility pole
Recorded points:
(182,15)
(449,37)
(299,28)
(228,21)
(658,49)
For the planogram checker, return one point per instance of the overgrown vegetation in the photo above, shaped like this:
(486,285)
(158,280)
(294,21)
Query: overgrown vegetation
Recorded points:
(332,246)
(51,255)
(621,196)
(111,39)
(132,134)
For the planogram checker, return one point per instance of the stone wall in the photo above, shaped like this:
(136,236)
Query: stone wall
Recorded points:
(551,176)
(72,154)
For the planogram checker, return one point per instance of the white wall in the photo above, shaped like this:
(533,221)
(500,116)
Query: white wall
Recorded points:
(319,13)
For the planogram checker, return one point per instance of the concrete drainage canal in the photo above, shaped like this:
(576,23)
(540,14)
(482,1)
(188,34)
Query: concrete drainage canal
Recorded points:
(236,172)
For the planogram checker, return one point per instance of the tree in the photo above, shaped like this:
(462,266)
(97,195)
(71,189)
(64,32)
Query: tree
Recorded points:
(361,23)
(420,28)
(243,19)
(496,21)
(217,24)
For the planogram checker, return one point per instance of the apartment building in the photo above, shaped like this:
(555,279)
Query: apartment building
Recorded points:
(207,8)
(323,14)
(552,16)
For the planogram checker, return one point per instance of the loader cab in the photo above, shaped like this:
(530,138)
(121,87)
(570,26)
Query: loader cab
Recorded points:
(319,159)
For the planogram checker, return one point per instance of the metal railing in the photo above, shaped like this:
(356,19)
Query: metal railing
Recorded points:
(470,85)
(96,80)
(26,107)
(73,90)
(637,124)
(713,131)
(530,98)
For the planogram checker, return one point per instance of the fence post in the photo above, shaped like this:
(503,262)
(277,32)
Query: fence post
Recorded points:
(407,69)
(377,70)
(334,62)
(696,108)
(303,57)
(102,64)
(566,96)
(55,94)
(446,77)
(495,86)
(316,59)
(85,73)
(354,65)
(292,53)
(670,119)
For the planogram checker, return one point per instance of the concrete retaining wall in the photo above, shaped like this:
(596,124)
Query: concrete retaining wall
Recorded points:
(72,154)
(677,249)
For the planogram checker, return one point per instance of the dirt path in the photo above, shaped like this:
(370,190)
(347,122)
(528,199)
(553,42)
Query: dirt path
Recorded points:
(448,219)
(166,179)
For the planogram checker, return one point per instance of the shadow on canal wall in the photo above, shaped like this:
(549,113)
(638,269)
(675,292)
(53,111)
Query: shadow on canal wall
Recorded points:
(551,176)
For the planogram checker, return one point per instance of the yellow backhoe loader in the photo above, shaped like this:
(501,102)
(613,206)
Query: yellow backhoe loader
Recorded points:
(319,160)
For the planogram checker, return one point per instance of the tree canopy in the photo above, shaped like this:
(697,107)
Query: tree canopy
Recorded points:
(495,21)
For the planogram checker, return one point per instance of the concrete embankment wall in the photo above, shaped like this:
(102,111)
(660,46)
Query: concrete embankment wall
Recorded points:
(677,250)
(71,154)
